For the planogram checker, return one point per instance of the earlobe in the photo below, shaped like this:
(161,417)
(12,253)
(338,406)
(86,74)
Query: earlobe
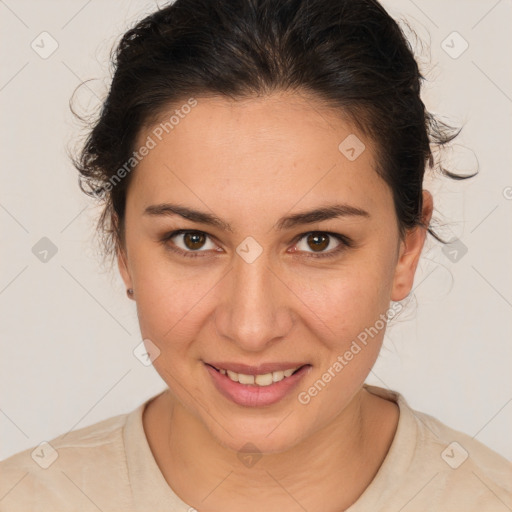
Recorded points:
(122,258)
(406,265)
(123,269)
(410,252)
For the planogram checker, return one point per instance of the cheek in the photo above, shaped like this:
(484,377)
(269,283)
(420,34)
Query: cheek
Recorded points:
(171,299)
(165,306)
(354,310)
(350,301)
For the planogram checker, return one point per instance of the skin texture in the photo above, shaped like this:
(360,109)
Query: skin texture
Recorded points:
(251,162)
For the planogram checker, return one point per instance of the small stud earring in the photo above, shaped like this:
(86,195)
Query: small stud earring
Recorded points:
(129,291)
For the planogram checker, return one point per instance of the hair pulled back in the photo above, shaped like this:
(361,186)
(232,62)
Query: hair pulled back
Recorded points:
(350,54)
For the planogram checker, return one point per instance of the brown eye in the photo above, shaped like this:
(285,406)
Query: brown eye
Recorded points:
(189,243)
(194,241)
(315,243)
(318,241)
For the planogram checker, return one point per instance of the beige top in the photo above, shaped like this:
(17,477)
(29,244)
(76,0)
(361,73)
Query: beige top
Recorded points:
(109,467)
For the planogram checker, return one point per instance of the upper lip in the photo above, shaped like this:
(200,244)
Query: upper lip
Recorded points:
(259,369)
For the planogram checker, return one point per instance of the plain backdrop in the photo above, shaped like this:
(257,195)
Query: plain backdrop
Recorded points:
(68,330)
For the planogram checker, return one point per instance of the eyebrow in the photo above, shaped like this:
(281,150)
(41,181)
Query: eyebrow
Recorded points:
(324,212)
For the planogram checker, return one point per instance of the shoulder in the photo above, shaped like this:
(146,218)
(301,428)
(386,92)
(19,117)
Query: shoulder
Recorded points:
(76,467)
(431,466)
(464,463)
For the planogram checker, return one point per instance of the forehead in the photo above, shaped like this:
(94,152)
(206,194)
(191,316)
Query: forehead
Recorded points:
(277,149)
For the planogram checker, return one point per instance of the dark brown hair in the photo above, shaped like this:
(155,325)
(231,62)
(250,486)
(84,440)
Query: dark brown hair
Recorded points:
(349,54)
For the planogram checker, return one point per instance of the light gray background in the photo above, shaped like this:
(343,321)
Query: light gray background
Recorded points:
(67,328)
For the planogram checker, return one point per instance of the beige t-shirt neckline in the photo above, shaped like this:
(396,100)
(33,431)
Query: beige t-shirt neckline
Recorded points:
(109,466)
(144,473)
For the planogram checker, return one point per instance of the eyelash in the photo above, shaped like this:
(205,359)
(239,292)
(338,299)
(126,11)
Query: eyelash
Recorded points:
(345,243)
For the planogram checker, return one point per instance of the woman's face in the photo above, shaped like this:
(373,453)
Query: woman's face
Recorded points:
(260,284)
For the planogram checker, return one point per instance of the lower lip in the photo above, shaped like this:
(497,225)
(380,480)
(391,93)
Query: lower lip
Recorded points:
(251,395)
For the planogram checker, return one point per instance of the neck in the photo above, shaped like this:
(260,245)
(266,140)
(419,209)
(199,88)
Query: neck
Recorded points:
(327,471)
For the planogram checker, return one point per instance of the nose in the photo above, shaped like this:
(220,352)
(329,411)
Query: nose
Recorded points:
(254,308)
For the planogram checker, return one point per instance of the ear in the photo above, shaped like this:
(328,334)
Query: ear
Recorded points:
(410,252)
(122,263)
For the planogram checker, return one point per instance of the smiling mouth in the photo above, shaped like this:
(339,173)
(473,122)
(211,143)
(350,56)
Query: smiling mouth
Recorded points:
(263,379)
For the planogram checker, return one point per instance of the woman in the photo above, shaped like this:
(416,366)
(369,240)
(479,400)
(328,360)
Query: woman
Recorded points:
(261,164)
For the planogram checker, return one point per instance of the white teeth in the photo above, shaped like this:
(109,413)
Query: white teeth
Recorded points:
(245,379)
(232,375)
(260,380)
(277,376)
(263,380)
